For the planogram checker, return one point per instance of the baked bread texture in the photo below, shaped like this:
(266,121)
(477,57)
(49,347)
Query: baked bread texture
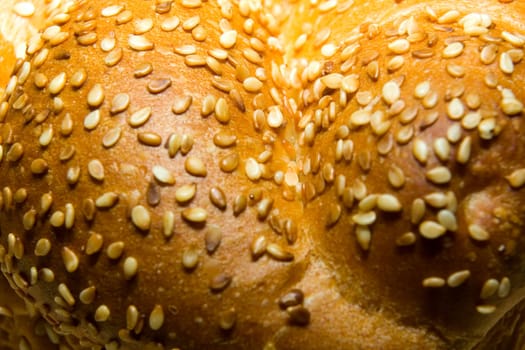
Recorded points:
(265,175)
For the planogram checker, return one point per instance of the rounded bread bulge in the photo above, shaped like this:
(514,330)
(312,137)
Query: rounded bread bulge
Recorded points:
(217,175)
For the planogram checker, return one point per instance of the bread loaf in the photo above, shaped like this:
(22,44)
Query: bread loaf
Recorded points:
(267,175)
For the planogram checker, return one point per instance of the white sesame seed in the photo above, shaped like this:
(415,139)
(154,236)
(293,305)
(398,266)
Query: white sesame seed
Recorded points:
(478,233)
(422,89)
(92,119)
(163,175)
(458,278)
(130,267)
(140,43)
(505,63)
(433,282)
(24,9)
(517,178)
(453,50)
(399,46)
(431,229)
(439,175)
(391,92)
(252,169)
(141,218)
(228,39)
(364,219)
(140,117)
(275,117)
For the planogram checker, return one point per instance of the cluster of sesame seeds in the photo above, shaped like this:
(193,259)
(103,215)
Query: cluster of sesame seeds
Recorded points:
(341,99)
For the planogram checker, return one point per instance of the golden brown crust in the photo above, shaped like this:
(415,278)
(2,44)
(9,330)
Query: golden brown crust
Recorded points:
(215,175)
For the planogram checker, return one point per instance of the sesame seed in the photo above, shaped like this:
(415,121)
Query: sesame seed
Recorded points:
(140,117)
(217,198)
(168,224)
(57,84)
(115,250)
(107,44)
(252,169)
(113,57)
(504,287)
(453,50)
(399,46)
(65,293)
(517,178)
(130,267)
(185,193)
(364,219)
(439,175)
(141,218)
(505,63)
(391,92)
(433,282)
(458,278)
(39,166)
(364,236)
(24,9)
(278,253)
(513,38)
(228,39)
(252,84)
(149,139)
(275,117)
(111,138)
(511,106)
(112,10)
(222,111)
(195,166)
(431,229)
(406,239)
(102,313)
(70,260)
(220,282)
(42,247)
(490,288)
(140,43)
(92,120)
(181,104)
(447,219)
(57,219)
(87,295)
(170,24)
(96,170)
(486,309)
(195,215)
(157,86)
(442,148)
(95,96)
(190,259)
(143,25)
(388,203)
(422,90)
(156,318)
(478,233)
(94,243)
(471,120)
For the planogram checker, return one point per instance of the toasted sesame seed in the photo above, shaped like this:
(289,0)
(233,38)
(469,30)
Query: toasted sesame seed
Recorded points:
(115,250)
(406,239)
(433,282)
(364,236)
(504,287)
(388,203)
(140,117)
(447,219)
(278,253)
(143,70)
(168,224)
(442,148)
(222,111)
(364,219)
(57,219)
(39,166)
(94,243)
(195,215)
(220,282)
(70,259)
(471,120)
(156,318)
(431,229)
(156,86)
(490,288)
(195,166)
(185,193)
(181,104)
(102,313)
(65,293)
(163,175)
(252,169)
(511,106)
(130,267)
(141,218)
(478,233)
(218,198)
(87,295)
(485,309)
(458,278)
(517,178)
(42,247)
(439,175)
